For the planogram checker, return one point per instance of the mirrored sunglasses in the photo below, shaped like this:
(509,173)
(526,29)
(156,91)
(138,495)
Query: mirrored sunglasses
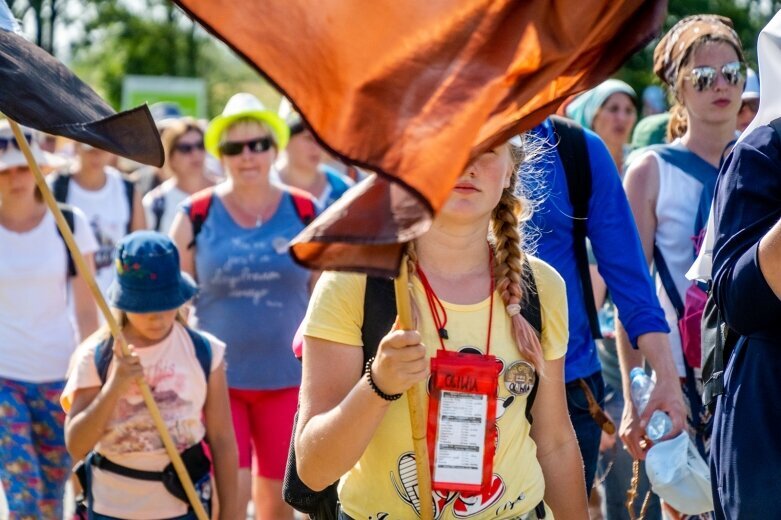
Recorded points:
(259,145)
(7,142)
(703,78)
(189,147)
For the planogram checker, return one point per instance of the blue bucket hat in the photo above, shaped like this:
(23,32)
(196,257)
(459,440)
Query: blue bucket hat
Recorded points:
(148,275)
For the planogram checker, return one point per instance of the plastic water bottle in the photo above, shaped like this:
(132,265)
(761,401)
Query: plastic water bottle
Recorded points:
(641,387)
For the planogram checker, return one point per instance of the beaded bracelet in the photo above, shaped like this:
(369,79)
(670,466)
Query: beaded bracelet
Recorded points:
(368,371)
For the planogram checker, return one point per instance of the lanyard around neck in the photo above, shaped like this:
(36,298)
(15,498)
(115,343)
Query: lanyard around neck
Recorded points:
(439,313)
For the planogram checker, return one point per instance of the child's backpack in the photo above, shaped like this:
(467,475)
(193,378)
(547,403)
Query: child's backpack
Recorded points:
(195,459)
(379,303)
(201,203)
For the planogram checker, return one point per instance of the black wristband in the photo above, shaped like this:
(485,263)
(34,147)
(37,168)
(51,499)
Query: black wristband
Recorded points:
(367,370)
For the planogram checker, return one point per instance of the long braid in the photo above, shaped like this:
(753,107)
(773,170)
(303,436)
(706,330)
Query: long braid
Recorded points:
(508,270)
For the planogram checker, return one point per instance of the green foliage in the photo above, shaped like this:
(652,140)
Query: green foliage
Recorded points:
(747,16)
(159,41)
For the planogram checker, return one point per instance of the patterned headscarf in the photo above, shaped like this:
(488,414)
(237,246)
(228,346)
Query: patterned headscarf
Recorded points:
(675,46)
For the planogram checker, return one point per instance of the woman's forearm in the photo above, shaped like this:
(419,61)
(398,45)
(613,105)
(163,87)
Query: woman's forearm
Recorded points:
(564,480)
(770,258)
(322,453)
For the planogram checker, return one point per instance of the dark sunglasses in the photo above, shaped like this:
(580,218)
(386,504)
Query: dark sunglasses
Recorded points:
(188,147)
(259,145)
(6,142)
(703,78)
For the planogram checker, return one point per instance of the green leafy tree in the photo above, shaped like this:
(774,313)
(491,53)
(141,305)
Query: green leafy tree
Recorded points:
(157,41)
(46,15)
(747,17)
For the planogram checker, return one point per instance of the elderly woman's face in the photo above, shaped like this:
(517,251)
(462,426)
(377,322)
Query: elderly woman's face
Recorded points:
(254,161)
(721,102)
(615,119)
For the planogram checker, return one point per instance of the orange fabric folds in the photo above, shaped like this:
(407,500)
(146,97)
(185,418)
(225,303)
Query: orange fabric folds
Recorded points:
(412,88)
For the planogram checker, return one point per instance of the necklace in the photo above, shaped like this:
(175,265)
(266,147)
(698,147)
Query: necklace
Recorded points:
(439,313)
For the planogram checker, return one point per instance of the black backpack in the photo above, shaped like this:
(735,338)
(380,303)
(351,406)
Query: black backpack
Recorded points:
(571,146)
(67,212)
(379,311)
(60,184)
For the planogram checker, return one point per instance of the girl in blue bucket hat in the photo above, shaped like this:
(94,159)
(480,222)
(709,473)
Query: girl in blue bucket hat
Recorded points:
(126,472)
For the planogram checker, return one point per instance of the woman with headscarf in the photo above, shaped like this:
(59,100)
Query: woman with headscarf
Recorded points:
(747,287)
(701,61)
(609,110)
(234,240)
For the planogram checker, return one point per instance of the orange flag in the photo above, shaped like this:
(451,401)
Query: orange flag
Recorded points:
(413,88)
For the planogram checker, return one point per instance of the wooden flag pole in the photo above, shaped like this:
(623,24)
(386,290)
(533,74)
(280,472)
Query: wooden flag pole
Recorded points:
(414,399)
(88,277)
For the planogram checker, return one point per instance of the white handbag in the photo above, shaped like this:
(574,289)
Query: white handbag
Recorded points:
(679,475)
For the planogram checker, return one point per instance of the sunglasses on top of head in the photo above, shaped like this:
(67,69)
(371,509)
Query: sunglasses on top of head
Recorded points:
(259,145)
(703,78)
(7,142)
(189,147)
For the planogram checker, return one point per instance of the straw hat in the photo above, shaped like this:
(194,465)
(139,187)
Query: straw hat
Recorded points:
(242,106)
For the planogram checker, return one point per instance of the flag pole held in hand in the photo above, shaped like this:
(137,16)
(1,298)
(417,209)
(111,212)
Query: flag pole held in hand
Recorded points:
(85,272)
(414,399)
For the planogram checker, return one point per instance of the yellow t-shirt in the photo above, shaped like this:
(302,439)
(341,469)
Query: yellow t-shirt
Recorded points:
(382,485)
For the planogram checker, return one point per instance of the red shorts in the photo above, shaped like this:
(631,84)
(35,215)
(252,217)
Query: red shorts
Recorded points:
(263,422)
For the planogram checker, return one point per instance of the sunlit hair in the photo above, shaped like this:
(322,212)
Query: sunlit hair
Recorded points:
(679,119)
(511,272)
(172,134)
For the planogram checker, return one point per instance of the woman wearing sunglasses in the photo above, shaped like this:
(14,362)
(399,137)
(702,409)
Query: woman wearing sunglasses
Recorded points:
(234,240)
(185,169)
(670,187)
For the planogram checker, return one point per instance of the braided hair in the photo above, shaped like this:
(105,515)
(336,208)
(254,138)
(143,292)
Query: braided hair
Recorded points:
(509,260)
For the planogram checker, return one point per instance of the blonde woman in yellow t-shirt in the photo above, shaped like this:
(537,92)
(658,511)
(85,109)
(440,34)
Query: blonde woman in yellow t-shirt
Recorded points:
(349,430)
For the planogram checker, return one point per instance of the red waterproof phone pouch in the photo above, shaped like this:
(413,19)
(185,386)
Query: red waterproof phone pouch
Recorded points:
(461,420)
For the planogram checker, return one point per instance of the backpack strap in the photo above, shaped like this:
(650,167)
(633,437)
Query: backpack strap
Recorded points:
(67,212)
(158,209)
(203,351)
(200,204)
(104,353)
(304,205)
(573,152)
(130,190)
(667,282)
(60,184)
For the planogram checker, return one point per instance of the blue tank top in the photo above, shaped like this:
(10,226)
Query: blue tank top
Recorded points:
(252,295)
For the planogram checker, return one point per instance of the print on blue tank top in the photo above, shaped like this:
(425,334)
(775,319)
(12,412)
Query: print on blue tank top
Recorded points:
(252,295)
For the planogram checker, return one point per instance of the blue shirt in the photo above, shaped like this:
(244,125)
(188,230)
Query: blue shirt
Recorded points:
(615,243)
(252,295)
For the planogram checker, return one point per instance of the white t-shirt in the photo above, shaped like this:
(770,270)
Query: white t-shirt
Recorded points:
(37,335)
(171,196)
(108,213)
(130,439)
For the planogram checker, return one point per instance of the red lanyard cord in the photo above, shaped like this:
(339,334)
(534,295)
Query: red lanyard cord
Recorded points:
(439,313)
